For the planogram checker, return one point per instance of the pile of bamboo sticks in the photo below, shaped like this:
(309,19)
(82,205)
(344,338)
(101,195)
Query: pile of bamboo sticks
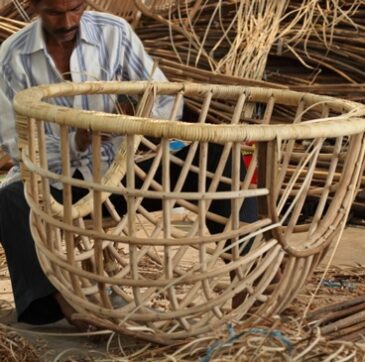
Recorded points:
(310,45)
(14,15)
(318,46)
(17,10)
(15,348)
(9,26)
(345,320)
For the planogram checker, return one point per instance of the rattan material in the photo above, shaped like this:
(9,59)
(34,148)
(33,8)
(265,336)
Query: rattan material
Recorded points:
(161,7)
(125,9)
(174,278)
(128,9)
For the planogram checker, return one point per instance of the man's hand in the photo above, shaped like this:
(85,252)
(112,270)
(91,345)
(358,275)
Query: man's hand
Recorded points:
(6,163)
(125,106)
(82,139)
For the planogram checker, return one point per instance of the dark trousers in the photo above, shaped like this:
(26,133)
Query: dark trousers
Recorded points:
(32,290)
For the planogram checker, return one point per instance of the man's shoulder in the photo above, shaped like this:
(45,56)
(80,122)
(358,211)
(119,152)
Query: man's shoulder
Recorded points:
(16,41)
(101,20)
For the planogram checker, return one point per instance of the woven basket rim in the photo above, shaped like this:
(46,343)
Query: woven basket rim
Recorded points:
(30,103)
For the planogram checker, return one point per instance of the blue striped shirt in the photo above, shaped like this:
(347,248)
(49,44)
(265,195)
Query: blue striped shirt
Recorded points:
(106,49)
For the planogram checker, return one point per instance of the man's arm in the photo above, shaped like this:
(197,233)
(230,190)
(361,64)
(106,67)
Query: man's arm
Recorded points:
(8,142)
(138,65)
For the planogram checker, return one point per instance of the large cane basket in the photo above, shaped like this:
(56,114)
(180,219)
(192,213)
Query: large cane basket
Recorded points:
(163,273)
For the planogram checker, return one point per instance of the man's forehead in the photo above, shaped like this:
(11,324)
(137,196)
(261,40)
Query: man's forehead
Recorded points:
(60,4)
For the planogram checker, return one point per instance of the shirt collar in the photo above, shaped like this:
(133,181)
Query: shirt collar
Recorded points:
(37,42)
(87,32)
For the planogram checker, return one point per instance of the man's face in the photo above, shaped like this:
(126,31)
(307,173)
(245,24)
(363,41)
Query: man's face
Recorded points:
(60,18)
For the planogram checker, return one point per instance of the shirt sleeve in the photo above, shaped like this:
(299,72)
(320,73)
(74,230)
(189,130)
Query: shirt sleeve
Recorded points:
(8,136)
(138,65)
(9,86)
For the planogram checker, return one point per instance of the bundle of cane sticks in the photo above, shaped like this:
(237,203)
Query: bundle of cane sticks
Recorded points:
(345,320)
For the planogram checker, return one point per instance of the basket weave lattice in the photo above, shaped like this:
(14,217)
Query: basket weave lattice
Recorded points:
(175,276)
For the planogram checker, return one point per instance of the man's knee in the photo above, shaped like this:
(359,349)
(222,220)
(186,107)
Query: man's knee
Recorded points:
(4,197)
(11,198)
(11,192)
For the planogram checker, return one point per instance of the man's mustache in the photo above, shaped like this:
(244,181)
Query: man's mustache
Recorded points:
(65,31)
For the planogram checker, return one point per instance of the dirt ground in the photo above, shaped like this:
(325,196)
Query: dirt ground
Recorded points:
(55,342)
(351,248)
